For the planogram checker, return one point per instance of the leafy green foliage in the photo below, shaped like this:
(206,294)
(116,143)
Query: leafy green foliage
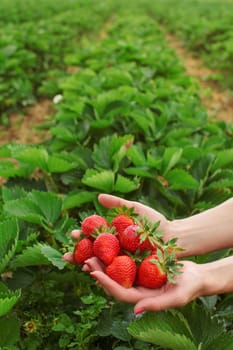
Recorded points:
(8,240)
(180,329)
(208,33)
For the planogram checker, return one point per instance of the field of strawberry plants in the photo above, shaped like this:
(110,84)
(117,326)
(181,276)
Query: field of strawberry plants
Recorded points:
(129,122)
(205,27)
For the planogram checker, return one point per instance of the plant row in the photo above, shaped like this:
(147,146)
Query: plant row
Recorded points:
(32,53)
(207,32)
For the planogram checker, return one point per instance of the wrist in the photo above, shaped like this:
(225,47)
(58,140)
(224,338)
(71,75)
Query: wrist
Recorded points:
(186,239)
(205,232)
(217,277)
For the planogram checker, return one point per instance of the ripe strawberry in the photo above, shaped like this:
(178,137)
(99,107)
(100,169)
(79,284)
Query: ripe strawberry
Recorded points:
(83,251)
(106,247)
(147,245)
(121,222)
(150,236)
(92,224)
(122,270)
(130,239)
(151,274)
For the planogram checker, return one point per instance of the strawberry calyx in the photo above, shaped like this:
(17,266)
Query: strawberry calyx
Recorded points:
(150,234)
(167,262)
(116,211)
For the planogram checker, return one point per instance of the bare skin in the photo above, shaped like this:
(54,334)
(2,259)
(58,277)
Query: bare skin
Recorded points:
(201,233)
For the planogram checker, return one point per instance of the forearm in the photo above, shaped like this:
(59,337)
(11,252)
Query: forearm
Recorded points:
(208,231)
(217,276)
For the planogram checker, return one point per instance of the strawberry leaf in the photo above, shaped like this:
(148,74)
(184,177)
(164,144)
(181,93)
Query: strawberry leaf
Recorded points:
(8,300)
(103,180)
(8,240)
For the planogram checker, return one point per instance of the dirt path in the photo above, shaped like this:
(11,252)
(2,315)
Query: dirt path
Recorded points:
(219,103)
(23,126)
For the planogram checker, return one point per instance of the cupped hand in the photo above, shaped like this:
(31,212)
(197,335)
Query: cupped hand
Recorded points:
(189,285)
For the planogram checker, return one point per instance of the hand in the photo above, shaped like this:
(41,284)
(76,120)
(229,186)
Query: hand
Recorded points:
(109,201)
(189,285)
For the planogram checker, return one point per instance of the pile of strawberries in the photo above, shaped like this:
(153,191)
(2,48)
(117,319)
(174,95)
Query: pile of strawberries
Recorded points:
(131,249)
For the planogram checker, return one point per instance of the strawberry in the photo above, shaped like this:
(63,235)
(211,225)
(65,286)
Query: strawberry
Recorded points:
(83,250)
(130,239)
(150,236)
(92,224)
(122,270)
(106,247)
(121,222)
(150,273)
(147,245)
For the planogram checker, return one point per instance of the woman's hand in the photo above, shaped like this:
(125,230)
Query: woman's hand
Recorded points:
(189,285)
(109,201)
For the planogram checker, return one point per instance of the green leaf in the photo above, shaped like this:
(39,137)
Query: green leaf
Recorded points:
(54,256)
(119,330)
(125,185)
(49,203)
(72,200)
(31,256)
(25,209)
(137,156)
(7,301)
(35,156)
(12,193)
(37,207)
(170,158)
(8,240)
(10,330)
(223,158)
(103,180)
(179,179)
(111,150)
(165,329)
(12,169)
(58,165)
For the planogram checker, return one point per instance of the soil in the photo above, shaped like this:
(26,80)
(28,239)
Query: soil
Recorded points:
(23,126)
(218,102)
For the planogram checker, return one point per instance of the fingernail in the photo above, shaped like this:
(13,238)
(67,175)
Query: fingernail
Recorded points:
(93,275)
(139,311)
(87,263)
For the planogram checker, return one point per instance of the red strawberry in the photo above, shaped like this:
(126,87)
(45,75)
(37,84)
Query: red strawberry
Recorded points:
(151,274)
(106,247)
(122,270)
(120,222)
(92,224)
(130,239)
(83,250)
(147,245)
(150,236)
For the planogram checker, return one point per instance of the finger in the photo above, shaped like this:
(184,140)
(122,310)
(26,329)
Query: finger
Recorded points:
(128,295)
(110,201)
(94,264)
(76,234)
(68,257)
